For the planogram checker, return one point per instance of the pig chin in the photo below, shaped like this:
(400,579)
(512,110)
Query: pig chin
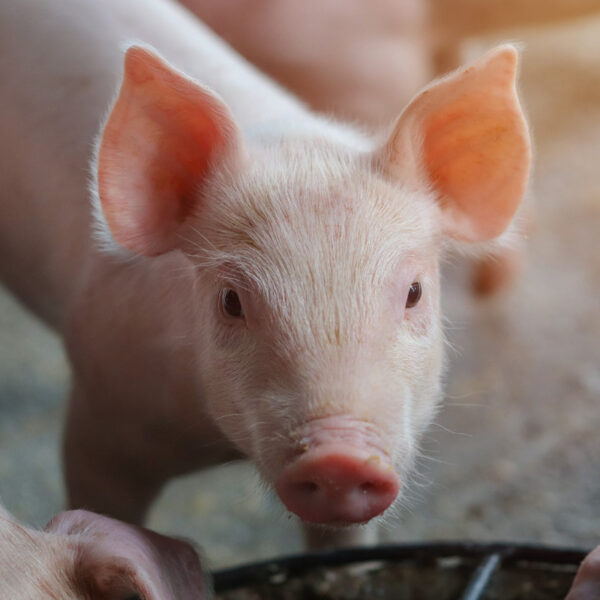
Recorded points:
(340,474)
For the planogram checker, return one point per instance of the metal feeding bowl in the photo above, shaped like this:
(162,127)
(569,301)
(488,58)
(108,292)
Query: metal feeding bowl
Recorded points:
(443,571)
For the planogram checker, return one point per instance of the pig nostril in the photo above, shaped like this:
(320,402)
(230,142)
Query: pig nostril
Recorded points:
(367,487)
(376,487)
(307,487)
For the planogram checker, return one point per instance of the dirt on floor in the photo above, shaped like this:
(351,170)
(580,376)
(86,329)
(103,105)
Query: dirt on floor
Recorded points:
(515,452)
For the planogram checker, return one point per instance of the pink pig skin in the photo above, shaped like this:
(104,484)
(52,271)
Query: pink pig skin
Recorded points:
(84,556)
(256,280)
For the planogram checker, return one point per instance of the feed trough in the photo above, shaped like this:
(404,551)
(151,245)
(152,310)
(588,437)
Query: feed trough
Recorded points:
(440,571)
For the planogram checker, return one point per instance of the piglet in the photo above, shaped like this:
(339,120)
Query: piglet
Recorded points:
(84,555)
(254,279)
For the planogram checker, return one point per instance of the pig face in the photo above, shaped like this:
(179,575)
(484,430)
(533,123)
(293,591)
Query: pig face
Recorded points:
(82,555)
(316,262)
(319,287)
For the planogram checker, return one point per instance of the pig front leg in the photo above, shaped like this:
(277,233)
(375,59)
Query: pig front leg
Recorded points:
(118,452)
(105,472)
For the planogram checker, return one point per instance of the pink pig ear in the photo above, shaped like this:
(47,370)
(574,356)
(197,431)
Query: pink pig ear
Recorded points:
(116,561)
(466,136)
(163,136)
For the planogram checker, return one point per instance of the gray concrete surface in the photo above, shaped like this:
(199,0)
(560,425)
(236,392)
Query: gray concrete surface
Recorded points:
(514,454)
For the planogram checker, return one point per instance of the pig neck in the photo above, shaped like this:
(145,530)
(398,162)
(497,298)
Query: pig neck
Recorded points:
(60,66)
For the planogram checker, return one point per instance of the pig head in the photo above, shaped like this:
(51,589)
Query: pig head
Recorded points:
(81,555)
(315,254)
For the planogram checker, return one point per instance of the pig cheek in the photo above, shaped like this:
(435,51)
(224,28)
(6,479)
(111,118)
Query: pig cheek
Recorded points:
(426,370)
(228,391)
(418,358)
(238,400)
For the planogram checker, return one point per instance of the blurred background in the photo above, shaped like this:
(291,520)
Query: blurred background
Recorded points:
(515,452)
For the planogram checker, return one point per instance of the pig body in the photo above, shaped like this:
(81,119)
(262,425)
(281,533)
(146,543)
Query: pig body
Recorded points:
(256,280)
(84,555)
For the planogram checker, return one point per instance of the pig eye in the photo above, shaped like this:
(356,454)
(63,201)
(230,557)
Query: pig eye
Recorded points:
(414,294)
(230,304)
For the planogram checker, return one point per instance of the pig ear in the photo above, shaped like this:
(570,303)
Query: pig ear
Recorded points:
(162,138)
(116,561)
(466,137)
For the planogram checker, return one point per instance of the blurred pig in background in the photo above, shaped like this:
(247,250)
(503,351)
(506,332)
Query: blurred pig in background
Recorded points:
(83,555)
(360,60)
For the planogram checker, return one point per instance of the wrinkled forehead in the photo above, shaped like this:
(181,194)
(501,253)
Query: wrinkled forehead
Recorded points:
(320,196)
(322,222)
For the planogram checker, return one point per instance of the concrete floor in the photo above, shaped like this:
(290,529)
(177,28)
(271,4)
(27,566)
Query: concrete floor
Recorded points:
(515,453)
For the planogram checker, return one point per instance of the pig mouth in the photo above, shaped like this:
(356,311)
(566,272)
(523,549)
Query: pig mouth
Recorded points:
(340,476)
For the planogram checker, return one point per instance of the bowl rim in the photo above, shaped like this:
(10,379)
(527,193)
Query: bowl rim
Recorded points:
(482,553)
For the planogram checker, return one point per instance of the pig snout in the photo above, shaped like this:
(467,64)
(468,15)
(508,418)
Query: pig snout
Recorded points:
(342,476)
(332,486)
